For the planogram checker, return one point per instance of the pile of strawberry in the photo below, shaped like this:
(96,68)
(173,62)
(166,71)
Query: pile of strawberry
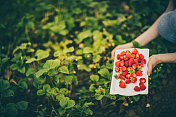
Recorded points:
(128,67)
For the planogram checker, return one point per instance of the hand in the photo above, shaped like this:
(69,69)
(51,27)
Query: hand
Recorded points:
(153,61)
(124,46)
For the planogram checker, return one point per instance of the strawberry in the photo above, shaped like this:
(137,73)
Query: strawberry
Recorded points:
(134,51)
(142,87)
(122,53)
(117,76)
(137,55)
(127,81)
(134,66)
(136,88)
(117,63)
(122,63)
(117,69)
(120,72)
(128,76)
(141,56)
(133,79)
(125,73)
(126,63)
(128,52)
(142,64)
(133,56)
(141,83)
(139,73)
(131,70)
(125,58)
(118,56)
(131,61)
(133,75)
(143,80)
(122,84)
(123,68)
(143,61)
(128,55)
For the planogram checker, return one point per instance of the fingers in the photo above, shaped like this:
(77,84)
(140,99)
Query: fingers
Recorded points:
(149,66)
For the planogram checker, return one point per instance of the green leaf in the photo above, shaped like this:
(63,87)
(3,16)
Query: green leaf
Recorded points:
(51,64)
(22,105)
(98,96)
(71,49)
(61,111)
(40,92)
(94,78)
(46,88)
(71,103)
(88,112)
(40,72)
(14,66)
(8,93)
(83,35)
(84,67)
(87,104)
(41,54)
(87,50)
(11,110)
(136,98)
(96,58)
(63,102)
(104,73)
(31,60)
(22,47)
(58,53)
(22,69)
(30,71)
(4,84)
(64,69)
(22,83)
(92,88)
(59,97)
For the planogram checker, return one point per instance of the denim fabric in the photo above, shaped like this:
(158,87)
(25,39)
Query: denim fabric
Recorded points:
(167,26)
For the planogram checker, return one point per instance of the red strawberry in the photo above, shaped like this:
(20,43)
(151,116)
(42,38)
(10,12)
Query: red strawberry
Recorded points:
(142,87)
(136,61)
(122,84)
(143,80)
(126,63)
(122,63)
(128,55)
(125,73)
(118,56)
(131,61)
(137,55)
(133,75)
(117,69)
(122,53)
(136,88)
(128,52)
(133,79)
(128,76)
(120,72)
(142,64)
(123,68)
(134,51)
(141,83)
(125,58)
(133,56)
(134,66)
(143,61)
(139,73)
(117,63)
(141,56)
(127,81)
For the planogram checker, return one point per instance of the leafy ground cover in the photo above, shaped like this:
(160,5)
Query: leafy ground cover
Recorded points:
(55,58)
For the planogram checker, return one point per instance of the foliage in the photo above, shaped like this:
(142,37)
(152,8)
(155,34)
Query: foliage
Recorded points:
(46,47)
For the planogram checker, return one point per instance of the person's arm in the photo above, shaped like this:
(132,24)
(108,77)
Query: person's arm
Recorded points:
(152,32)
(160,58)
(147,36)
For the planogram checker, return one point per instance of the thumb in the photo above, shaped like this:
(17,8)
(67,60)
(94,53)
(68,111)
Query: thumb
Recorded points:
(149,68)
